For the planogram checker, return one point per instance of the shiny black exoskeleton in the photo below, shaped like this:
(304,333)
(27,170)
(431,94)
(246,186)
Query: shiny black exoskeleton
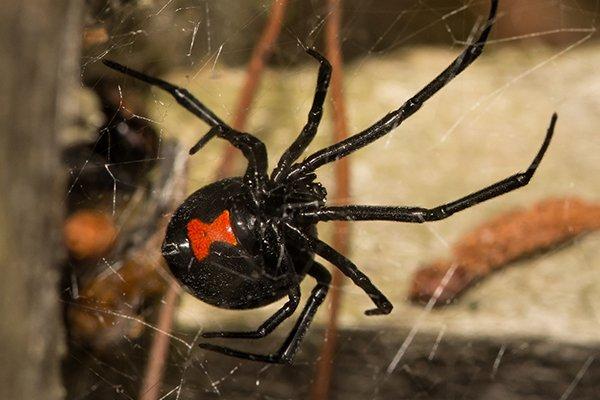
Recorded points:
(249,273)
(249,241)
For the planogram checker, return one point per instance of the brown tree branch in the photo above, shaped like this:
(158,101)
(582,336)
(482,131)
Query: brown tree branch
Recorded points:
(256,66)
(341,235)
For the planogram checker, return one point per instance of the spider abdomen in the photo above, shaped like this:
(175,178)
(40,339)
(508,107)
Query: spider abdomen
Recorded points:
(211,248)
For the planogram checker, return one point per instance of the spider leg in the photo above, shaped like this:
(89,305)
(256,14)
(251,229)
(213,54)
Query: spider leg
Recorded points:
(182,96)
(269,325)
(288,349)
(346,266)
(419,214)
(314,118)
(253,149)
(395,118)
(280,315)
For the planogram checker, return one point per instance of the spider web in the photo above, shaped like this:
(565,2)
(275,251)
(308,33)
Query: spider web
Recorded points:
(529,331)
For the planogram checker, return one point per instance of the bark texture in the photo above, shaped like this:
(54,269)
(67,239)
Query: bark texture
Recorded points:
(39,41)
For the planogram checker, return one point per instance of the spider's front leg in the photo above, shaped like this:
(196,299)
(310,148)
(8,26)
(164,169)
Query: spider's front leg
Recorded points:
(421,214)
(393,119)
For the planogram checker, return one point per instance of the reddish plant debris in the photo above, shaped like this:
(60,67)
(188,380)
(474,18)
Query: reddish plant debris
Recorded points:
(109,307)
(89,234)
(121,184)
(95,35)
(505,239)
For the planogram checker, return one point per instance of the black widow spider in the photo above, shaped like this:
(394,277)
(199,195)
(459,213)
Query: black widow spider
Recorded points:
(249,241)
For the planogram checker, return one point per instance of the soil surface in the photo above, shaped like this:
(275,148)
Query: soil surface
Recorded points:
(455,368)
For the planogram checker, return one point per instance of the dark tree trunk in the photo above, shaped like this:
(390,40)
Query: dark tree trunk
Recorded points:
(39,42)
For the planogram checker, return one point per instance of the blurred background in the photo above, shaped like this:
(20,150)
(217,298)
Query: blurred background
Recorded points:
(501,301)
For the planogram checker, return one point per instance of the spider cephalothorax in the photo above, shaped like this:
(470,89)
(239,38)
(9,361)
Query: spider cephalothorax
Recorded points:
(246,242)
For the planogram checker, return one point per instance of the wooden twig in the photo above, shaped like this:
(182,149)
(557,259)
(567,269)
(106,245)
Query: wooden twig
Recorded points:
(159,351)
(260,54)
(341,235)
(505,239)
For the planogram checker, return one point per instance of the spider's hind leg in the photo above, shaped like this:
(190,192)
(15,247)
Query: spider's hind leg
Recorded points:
(288,349)
(269,325)
(347,267)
